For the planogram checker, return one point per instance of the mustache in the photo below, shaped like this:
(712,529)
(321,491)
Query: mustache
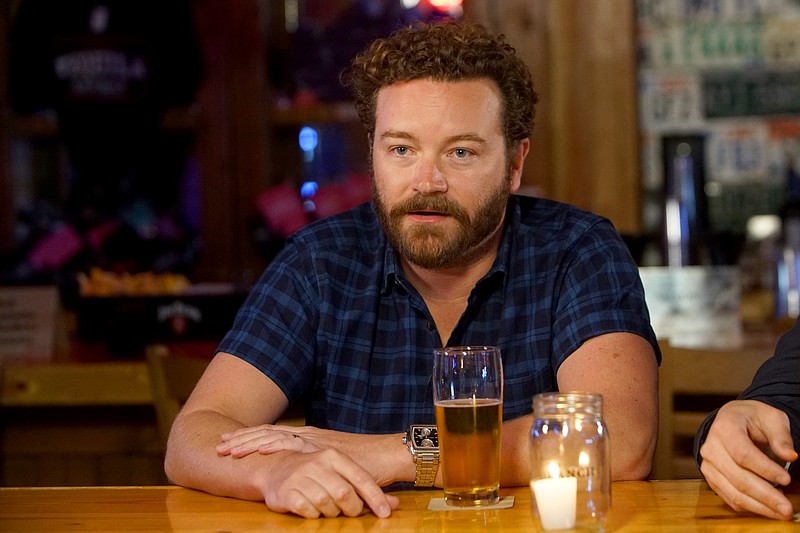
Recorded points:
(434,203)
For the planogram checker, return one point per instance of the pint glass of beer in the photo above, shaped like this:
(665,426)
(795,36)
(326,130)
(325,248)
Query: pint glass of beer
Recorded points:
(468,395)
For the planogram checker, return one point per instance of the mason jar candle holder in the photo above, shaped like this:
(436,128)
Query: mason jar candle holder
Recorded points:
(570,462)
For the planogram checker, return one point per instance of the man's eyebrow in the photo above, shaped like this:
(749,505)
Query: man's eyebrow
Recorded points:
(472,137)
(396,134)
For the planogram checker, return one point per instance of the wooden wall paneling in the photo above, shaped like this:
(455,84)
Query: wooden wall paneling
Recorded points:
(232,135)
(620,123)
(582,56)
(249,113)
(598,139)
(524,23)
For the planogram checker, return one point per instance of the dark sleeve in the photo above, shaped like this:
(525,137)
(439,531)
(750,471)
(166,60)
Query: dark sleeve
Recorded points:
(777,383)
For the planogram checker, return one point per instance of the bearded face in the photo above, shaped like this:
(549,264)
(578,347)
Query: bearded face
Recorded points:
(441,245)
(442,170)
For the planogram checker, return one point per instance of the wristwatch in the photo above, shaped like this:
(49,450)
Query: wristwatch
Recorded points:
(423,443)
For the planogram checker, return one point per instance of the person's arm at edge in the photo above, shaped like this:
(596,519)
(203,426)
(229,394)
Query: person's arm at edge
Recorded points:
(735,467)
(726,443)
(700,436)
(769,386)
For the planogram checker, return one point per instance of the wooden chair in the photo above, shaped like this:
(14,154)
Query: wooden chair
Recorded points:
(172,379)
(692,383)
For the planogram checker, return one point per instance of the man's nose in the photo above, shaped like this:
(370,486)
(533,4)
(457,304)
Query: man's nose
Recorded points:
(430,179)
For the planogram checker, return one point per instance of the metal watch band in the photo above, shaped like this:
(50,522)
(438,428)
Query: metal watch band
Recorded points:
(427,465)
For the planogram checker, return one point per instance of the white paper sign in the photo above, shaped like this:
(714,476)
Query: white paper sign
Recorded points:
(27,322)
(694,307)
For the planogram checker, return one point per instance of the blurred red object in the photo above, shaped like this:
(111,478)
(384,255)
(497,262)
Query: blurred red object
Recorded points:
(359,188)
(329,200)
(55,249)
(98,234)
(282,209)
(337,197)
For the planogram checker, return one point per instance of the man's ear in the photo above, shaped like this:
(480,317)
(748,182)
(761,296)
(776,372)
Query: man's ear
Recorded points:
(517,162)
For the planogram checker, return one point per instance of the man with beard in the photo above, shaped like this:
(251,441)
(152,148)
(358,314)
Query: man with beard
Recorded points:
(346,319)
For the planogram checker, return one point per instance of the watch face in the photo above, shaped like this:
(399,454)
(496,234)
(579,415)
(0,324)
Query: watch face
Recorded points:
(425,437)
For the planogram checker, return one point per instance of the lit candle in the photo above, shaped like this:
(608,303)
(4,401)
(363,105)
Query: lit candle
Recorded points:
(583,459)
(555,499)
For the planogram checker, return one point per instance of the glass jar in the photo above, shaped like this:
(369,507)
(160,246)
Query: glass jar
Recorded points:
(570,462)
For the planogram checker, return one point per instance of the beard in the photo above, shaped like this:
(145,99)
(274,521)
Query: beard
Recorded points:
(434,247)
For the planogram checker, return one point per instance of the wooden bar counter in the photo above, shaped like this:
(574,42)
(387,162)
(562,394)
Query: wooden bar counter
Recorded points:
(679,506)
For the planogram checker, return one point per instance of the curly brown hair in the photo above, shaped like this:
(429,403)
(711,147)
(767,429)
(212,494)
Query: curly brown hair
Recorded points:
(445,51)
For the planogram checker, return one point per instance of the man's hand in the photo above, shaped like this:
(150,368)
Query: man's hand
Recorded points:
(324,483)
(734,464)
(270,438)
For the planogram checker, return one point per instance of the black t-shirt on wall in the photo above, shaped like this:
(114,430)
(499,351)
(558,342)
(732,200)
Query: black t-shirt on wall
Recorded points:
(108,69)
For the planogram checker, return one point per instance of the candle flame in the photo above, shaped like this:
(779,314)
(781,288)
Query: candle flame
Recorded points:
(583,459)
(553,469)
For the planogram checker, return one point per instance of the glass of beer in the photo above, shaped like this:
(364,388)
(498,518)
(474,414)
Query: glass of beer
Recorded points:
(468,395)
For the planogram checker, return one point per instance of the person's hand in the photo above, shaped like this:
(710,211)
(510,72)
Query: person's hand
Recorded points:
(382,462)
(324,483)
(270,438)
(315,479)
(734,464)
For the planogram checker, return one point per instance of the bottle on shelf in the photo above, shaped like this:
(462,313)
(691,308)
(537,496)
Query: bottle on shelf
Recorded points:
(685,218)
(787,287)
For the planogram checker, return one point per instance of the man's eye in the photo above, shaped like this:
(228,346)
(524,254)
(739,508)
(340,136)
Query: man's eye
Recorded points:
(461,152)
(401,150)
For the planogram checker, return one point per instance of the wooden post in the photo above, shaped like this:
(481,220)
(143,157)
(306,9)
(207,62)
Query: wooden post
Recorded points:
(585,148)
(232,135)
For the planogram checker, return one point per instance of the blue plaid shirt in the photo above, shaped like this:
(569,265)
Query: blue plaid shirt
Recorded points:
(335,324)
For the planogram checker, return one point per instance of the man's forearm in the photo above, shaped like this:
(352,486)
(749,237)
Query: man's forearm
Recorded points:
(515,461)
(632,449)
(384,455)
(192,461)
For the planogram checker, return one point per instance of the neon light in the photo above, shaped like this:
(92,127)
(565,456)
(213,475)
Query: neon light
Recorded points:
(445,5)
(308,138)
